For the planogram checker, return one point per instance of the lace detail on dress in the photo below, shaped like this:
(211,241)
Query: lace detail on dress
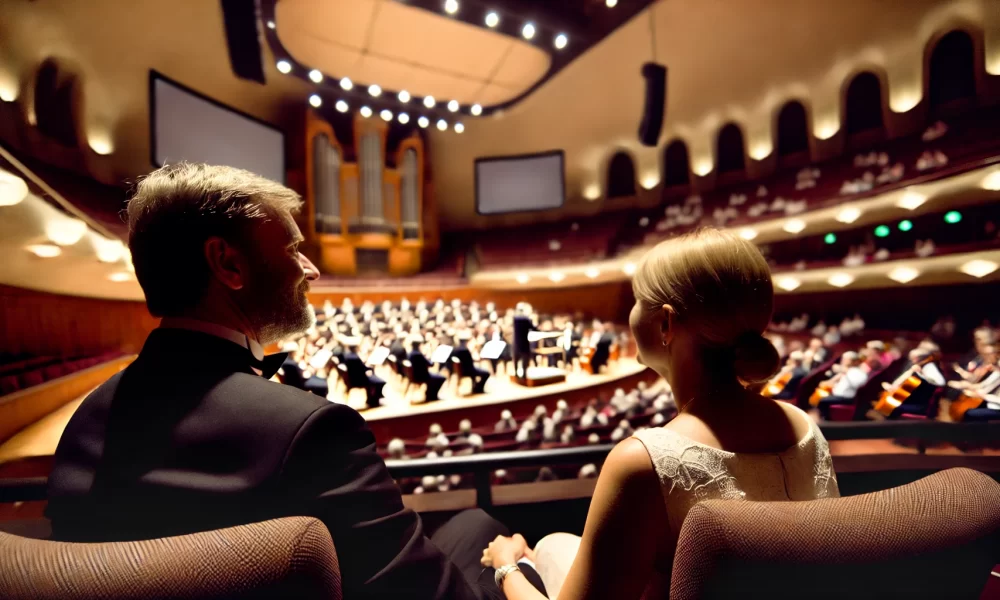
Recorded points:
(697,470)
(824,479)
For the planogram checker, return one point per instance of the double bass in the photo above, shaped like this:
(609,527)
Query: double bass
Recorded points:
(902,388)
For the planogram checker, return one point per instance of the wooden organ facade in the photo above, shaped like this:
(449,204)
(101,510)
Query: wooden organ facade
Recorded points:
(366,217)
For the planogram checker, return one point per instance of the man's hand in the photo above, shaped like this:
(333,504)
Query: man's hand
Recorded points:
(506,551)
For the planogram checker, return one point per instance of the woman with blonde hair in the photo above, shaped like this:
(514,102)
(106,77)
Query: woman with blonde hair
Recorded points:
(703,301)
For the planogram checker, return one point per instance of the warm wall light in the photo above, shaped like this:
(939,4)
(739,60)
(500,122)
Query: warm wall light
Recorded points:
(788,283)
(629,269)
(911,200)
(8,90)
(761,150)
(65,232)
(702,167)
(794,226)
(556,276)
(992,182)
(108,251)
(848,214)
(120,276)
(904,100)
(592,273)
(826,129)
(100,143)
(993,61)
(44,250)
(978,268)
(748,233)
(840,280)
(13,189)
(592,192)
(523,278)
(650,181)
(904,274)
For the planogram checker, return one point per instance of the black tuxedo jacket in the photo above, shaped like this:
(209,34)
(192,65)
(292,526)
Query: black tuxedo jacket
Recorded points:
(188,438)
(522,325)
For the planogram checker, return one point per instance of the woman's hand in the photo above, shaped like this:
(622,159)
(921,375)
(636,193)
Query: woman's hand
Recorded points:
(506,550)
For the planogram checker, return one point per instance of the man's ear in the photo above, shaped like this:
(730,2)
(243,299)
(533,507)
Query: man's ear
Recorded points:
(225,262)
(668,323)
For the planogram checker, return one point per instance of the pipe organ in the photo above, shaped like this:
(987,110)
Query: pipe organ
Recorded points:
(365,217)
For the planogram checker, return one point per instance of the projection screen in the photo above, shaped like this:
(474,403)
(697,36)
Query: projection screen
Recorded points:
(519,183)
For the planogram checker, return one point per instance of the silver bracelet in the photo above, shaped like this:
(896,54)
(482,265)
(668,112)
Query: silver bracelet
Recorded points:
(500,574)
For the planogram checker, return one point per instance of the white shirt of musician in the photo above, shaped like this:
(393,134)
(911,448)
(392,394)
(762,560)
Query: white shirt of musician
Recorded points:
(595,338)
(932,374)
(847,386)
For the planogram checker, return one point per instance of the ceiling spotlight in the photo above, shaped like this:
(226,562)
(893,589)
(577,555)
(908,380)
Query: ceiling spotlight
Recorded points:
(284,67)
(316,76)
(429,102)
(374,90)
(629,268)
(342,106)
(403,118)
(366,112)
(65,232)
(592,192)
(315,101)
(453,106)
(13,189)
(423,122)
(556,276)
(788,283)
(528,31)
(561,41)
(119,276)
(476,110)
(459,128)
(794,226)
(386,114)
(44,250)
(404,96)
(592,273)
(442,125)
(849,214)
(748,233)
(492,19)
(979,268)
(523,278)
(346,83)
(451,6)
(992,182)
(911,200)
(108,251)
(840,280)
(611,3)
(903,274)
(271,25)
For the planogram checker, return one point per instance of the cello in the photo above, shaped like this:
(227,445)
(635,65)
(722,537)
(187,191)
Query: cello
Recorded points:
(902,388)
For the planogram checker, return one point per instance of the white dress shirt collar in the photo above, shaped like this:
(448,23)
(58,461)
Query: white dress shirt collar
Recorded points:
(220,331)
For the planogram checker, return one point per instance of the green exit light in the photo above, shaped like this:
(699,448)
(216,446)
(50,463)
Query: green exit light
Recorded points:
(905,225)
(881,231)
(830,238)
(952,216)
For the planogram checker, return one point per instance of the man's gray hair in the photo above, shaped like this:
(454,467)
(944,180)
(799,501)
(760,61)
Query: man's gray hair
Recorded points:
(175,209)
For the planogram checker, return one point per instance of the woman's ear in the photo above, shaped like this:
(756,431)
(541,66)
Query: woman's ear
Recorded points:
(668,322)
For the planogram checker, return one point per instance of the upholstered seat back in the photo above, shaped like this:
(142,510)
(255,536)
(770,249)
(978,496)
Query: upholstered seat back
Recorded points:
(285,558)
(933,538)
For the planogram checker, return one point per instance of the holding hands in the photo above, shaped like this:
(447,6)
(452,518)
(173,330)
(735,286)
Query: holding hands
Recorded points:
(506,551)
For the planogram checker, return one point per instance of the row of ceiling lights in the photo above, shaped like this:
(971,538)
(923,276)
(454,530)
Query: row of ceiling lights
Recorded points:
(451,7)
(62,232)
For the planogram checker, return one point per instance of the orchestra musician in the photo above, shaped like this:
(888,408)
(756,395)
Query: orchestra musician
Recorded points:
(786,383)
(843,385)
(522,347)
(922,365)
(979,390)
(815,355)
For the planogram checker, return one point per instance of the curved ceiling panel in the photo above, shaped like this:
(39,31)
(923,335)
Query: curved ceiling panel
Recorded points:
(403,48)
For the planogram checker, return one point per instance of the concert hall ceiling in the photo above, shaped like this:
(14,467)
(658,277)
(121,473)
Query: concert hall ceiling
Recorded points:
(729,61)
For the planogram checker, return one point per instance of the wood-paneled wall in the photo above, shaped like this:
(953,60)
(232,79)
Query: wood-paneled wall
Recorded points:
(41,324)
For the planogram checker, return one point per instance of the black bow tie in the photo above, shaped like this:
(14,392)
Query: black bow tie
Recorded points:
(269,365)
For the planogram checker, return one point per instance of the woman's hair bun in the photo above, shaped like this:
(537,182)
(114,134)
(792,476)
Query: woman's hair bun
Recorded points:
(756,358)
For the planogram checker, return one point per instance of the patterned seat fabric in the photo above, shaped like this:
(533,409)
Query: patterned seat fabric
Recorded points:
(284,558)
(933,538)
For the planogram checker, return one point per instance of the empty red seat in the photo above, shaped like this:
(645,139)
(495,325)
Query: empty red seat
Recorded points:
(9,384)
(31,378)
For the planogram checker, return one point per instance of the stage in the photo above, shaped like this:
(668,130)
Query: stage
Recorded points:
(397,417)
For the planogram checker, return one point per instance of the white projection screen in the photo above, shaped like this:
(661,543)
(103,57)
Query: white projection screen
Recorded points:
(520,183)
(187,126)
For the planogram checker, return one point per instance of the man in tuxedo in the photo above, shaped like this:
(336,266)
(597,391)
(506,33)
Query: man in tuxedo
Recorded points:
(192,436)
(463,356)
(357,373)
(422,373)
(522,348)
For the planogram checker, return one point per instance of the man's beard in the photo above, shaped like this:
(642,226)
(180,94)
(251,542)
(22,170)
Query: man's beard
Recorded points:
(275,312)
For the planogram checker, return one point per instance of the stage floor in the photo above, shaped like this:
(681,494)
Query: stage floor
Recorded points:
(499,390)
